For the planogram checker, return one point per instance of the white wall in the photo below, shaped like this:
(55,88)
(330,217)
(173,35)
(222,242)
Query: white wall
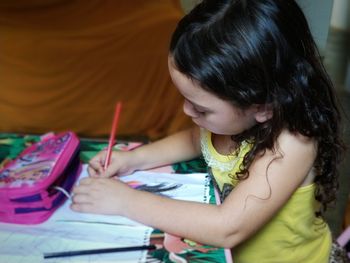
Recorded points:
(341,20)
(318,13)
(341,15)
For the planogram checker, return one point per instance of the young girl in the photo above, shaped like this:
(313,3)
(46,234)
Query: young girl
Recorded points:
(267,126)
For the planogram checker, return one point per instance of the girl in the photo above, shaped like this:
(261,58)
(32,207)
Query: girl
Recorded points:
(267,126)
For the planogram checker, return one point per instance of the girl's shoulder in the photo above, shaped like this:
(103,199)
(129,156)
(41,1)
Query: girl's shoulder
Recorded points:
(290,146)
(293,142)
(292,157)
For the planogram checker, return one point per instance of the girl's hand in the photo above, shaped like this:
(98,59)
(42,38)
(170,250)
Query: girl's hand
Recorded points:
(121,163)
(100,196)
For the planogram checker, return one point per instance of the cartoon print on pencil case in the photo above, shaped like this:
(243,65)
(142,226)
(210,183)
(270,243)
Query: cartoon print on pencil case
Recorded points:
(154,188)
(34,165)
(26,174)
(51,146)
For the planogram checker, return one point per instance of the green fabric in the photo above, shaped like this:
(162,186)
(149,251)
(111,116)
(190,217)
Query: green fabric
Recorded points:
(192,166)
(11,145)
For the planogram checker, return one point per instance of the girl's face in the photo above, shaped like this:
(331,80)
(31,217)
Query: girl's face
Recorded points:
(209,111)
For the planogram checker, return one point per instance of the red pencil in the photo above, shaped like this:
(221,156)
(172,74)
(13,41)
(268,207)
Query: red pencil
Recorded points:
(113,133)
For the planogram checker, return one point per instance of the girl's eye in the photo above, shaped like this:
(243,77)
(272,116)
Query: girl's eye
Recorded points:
(201,112)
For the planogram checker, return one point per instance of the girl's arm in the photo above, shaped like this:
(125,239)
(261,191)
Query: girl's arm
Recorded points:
(181,146)
(272,180)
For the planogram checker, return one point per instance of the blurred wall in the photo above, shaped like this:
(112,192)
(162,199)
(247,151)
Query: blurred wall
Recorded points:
(341,15)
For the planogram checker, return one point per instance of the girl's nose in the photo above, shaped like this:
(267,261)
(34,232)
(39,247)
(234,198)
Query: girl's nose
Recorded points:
(190,110)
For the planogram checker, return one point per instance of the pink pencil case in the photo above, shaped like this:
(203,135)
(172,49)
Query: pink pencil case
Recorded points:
(36,183)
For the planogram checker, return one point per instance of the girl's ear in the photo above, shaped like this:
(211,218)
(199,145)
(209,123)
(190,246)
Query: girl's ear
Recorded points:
(263,112)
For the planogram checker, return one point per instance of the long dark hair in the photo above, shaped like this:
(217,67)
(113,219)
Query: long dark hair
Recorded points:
(262,52)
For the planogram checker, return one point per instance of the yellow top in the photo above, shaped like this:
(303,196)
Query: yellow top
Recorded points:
(293,235)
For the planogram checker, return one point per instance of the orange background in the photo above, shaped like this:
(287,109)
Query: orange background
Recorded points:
(65,63)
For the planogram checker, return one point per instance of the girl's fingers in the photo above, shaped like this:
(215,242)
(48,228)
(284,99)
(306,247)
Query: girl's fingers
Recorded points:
(80,198)
(91,171)
(82,207)
(95,168)
(82,189)
(85,181)
(109,172)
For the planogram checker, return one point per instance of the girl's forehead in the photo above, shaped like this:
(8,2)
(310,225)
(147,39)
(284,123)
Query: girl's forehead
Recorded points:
(171,62)
(192,91)
(187,86)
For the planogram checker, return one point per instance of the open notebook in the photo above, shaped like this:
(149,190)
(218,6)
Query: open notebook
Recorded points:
(67,230)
